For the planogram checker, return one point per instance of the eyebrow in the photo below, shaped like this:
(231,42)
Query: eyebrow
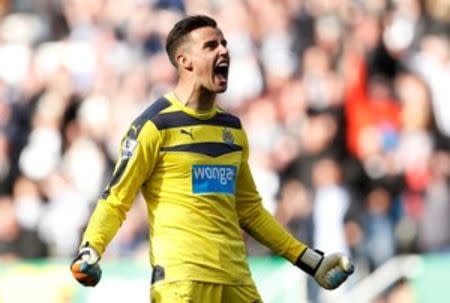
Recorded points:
(213,42)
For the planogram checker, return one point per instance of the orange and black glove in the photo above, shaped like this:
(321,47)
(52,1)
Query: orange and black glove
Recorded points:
(85,268)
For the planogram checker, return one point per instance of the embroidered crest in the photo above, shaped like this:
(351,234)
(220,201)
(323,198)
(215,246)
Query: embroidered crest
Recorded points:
(227,136)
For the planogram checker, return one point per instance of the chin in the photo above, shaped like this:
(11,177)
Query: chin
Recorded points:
(221,90)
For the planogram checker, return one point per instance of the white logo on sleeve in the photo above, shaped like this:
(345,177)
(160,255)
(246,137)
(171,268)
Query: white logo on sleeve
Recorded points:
(128,147)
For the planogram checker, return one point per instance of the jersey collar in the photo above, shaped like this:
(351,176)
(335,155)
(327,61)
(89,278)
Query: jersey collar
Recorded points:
(200,115)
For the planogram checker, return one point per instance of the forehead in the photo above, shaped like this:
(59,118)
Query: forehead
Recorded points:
(203,34)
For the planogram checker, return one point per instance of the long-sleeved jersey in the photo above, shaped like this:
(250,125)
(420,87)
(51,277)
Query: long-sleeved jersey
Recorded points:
(193,171)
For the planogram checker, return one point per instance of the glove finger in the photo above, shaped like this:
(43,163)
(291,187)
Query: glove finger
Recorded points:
(336,277)
(89,282)
(85,273)
(79,266)
(79,275)
(85,279)
(82,278)
(75,268)
(94,271)
(346,265)
(86,268)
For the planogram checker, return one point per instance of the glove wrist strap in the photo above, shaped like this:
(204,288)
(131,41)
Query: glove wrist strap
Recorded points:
(91,254)
(309,261)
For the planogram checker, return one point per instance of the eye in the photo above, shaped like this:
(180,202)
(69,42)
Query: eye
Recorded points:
(211,45)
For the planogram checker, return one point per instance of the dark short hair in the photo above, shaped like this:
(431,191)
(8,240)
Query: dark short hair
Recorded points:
(183,27)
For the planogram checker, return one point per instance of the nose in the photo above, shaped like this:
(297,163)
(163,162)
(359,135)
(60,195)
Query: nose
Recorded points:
(223,50)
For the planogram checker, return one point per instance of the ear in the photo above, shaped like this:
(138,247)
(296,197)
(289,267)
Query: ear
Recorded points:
(184,61)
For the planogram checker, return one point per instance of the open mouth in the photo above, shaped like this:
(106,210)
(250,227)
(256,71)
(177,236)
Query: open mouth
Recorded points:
(221,71)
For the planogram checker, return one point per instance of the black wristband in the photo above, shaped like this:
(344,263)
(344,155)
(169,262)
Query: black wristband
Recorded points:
(310,260)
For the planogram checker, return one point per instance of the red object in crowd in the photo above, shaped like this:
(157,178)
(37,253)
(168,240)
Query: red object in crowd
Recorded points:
(363,110)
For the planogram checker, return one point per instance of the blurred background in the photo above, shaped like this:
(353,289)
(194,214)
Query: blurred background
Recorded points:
(347,108)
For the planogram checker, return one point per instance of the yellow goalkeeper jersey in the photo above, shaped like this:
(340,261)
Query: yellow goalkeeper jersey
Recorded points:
(193,172)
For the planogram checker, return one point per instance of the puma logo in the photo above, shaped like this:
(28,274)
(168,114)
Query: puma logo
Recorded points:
(189,133)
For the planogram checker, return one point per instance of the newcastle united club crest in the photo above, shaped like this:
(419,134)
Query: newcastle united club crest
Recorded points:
(227,136)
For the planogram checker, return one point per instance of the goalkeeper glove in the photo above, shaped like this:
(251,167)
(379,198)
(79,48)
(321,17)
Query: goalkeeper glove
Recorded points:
(328,271)
(85,268)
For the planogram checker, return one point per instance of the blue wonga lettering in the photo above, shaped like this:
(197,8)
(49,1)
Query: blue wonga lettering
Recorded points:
(223,174)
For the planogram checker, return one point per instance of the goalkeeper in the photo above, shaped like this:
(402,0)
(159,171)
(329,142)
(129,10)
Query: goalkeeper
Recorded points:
(190,160)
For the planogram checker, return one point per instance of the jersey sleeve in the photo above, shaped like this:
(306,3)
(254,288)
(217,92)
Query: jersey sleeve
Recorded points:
(258,222)
(137,158)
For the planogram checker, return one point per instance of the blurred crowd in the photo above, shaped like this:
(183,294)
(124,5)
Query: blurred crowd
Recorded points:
(346,104)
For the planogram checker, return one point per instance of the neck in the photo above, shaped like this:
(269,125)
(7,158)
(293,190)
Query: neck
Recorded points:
(194,96)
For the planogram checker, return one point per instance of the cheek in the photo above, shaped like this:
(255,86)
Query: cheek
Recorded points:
(202,65)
